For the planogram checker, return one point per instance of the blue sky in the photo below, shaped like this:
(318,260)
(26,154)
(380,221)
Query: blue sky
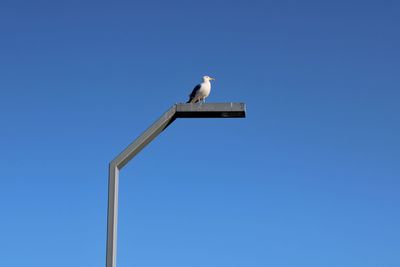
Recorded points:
(309,178)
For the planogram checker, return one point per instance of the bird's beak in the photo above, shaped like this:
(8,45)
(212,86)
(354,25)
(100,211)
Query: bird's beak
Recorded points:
(212,79)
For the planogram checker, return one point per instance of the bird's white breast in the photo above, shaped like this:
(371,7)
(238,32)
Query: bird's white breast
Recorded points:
(205,89)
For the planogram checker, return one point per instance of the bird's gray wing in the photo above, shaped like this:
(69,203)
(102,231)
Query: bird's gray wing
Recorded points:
(193,94)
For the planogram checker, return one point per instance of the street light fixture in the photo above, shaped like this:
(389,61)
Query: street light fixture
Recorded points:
(203,110)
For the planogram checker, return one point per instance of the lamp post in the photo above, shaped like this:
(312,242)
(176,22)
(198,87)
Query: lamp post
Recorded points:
(203,110)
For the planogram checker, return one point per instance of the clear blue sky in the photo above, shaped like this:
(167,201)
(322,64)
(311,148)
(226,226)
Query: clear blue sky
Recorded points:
(310,178)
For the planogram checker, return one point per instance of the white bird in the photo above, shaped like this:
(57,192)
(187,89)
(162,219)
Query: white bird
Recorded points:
(201,91)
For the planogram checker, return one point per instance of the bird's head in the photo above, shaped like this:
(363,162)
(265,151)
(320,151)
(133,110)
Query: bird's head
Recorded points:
(207,78)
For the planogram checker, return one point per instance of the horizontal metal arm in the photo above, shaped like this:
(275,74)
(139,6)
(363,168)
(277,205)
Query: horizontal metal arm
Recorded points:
(211,110)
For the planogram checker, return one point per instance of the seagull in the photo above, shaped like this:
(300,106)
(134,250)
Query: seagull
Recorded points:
(201,91)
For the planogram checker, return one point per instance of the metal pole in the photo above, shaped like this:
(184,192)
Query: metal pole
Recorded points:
(112,216)
(209,110)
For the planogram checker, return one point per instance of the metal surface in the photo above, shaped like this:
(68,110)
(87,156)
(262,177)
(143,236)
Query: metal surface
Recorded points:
(211,110)
(204,110)
(155,129)
(113,182)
